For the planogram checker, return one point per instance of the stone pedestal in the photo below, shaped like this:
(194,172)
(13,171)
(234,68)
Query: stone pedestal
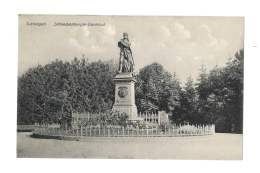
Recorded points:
(125,95)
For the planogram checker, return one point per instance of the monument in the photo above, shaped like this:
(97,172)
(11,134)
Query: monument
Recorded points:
(125,81)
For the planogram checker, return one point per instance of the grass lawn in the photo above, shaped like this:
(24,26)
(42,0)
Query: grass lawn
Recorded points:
(218,146)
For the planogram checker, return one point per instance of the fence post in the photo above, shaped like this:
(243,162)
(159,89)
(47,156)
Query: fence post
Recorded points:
(159,118)
(90,128)
(173,130)
(81,133)
(84,130)
(145,117)
(179,130)
(176,130)
(114,133)
(87,130)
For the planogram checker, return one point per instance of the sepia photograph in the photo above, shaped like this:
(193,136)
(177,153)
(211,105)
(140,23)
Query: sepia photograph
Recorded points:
(130,87)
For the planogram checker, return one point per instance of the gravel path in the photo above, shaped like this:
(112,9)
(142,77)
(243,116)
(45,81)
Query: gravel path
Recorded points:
(218,146)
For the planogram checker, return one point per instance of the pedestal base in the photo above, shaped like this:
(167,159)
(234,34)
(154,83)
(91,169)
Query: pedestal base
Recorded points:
(125,95)
(131,111)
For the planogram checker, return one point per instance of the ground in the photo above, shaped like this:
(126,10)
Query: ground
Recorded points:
(218,146)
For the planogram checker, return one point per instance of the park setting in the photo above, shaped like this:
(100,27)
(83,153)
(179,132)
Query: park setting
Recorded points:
(132,106)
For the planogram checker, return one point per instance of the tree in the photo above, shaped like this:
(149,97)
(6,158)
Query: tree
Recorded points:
(233,73)
(220,95)
(157,87)
(216,97)
(188,103)
(202,88)
(89,87)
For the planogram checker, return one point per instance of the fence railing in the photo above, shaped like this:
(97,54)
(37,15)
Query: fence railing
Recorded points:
(30,128)
(95,131)
(150,117)
(26,128)
(86,116)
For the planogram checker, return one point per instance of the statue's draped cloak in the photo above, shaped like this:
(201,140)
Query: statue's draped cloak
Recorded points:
(126,62)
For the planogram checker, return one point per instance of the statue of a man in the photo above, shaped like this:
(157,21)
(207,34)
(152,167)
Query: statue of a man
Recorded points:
(126,61)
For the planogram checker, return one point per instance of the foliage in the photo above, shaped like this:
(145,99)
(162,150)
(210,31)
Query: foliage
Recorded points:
(188,104)
(107,118)
(87,86)
(216,97)
(220,96)
(158,87)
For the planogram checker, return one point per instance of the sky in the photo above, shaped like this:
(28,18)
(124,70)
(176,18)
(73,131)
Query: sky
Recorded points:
(180,44)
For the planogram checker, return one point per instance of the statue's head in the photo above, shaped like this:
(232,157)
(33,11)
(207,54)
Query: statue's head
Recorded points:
(125,35)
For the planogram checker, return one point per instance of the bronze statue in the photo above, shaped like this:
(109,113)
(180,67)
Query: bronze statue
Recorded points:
(126,61)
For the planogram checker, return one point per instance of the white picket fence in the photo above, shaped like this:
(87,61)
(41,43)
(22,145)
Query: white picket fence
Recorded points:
(97,131)
(150,117)
(146,117)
